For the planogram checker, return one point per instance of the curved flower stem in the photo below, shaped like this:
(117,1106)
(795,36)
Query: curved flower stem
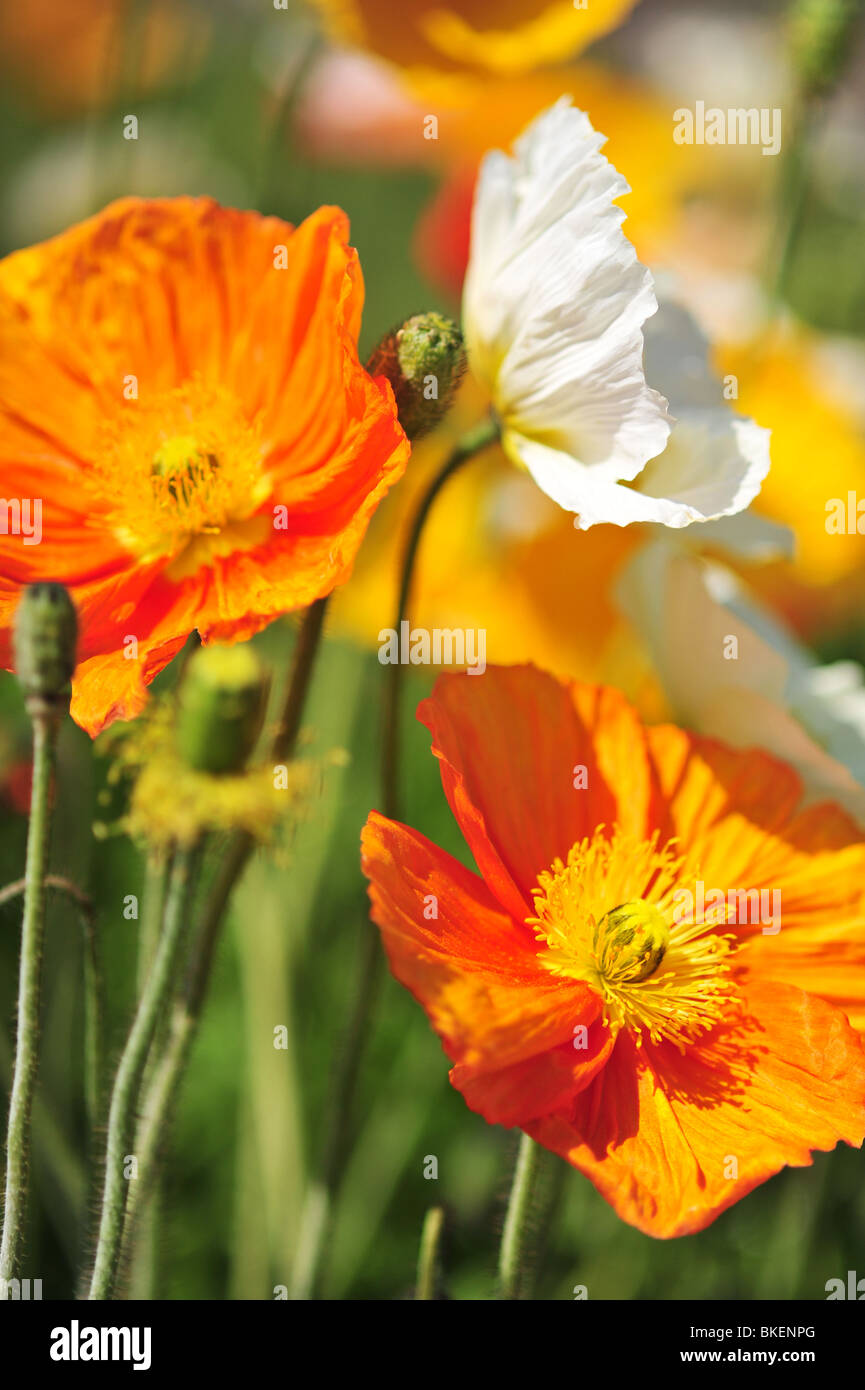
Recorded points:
(157,876)
(63,885)
(157,1110)
(241,844)
(170,1066)
(143,1270)
(124,1099)
(45,726)
(94,1063)
(94,1021)
(534,1190)
(430,1253)
(472,443)
(94,991)
(317,1214)
(795,177)
(276,144)
(308,642)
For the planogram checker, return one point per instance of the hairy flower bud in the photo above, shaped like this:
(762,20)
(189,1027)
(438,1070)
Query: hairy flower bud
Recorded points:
(221,708)
(45,641)
(424,361)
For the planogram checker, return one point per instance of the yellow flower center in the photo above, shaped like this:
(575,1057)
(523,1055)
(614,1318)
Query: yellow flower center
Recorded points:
(183,477)
(607,917)
(630,942)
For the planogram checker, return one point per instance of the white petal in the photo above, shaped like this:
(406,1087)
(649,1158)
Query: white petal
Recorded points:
(708,470)
(677,357)
(715,460)
(747,536)
(771,695)
(577,488)
(555,300)
(712,466)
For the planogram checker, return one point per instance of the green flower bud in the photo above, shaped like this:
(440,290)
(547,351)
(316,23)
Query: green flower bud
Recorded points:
(424,361)
(221,708)
(45,641)
(820,40)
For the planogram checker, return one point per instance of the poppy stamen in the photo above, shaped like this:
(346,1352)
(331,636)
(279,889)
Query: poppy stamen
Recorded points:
(185,475)
(607,916)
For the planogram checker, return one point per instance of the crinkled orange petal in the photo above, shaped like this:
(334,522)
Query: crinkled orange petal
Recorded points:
(506,1022)
(524,1091)
(728,801)
(112,684)
(671,1141)
(511,744)
(736,810)
(827,958)
(821,944)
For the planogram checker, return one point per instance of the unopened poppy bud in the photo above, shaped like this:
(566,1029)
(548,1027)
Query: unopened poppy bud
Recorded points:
(45,642)
(631,941)
(221,708)
(820,38)
(424,361)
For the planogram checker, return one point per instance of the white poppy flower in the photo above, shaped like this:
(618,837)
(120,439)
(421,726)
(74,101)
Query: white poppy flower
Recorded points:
(553,311)
(715,460)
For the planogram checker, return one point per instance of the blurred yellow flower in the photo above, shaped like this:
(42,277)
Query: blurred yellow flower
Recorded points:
(504,36)
(818,454)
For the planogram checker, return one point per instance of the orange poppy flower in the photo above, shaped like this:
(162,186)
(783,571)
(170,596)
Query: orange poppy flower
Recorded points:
(584,989)
(180,393)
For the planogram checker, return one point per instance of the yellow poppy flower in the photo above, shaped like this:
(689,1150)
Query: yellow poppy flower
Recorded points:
(474,35)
